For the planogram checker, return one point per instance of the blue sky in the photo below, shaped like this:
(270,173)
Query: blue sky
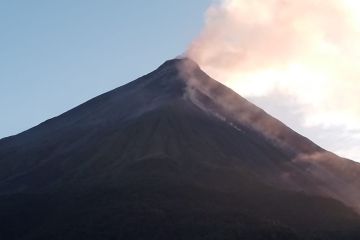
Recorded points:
(55,55)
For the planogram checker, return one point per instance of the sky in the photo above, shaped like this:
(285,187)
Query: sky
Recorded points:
(54,55)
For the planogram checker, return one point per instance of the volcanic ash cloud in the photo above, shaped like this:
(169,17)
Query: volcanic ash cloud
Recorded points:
(304,49)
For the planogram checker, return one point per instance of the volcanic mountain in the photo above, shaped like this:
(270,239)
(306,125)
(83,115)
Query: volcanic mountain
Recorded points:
(173,155)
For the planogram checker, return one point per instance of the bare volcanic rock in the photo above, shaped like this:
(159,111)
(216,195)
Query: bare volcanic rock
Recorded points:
(173,155)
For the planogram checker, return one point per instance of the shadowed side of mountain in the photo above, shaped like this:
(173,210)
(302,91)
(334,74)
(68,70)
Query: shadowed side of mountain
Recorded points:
(80,126)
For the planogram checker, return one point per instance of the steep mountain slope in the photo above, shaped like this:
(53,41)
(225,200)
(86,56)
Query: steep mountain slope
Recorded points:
(329,174)
(176,155)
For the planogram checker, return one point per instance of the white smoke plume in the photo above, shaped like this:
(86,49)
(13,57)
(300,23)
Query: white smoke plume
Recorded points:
(303,52)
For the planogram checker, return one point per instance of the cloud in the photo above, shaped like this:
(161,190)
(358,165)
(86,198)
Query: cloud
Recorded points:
(300,48)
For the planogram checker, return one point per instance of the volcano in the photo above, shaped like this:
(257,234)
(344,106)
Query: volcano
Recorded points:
(173,155)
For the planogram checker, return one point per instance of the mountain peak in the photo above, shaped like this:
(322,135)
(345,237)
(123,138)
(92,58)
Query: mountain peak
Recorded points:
(178,62)
(182,68)
(169,80)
